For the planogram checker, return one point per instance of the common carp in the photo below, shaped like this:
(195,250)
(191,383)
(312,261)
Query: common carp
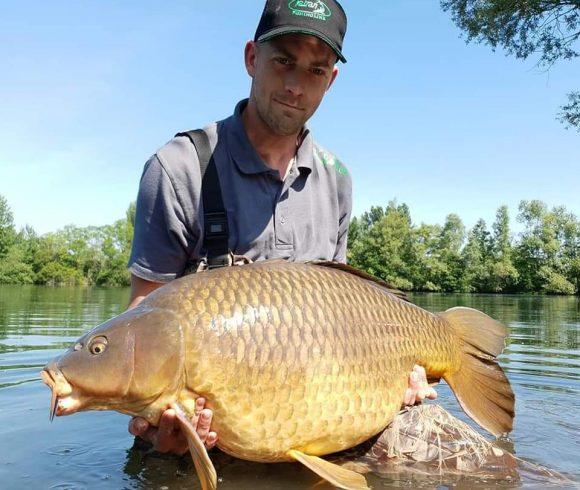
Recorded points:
(297,361)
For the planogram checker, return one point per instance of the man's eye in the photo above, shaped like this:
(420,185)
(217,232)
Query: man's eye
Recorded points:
(318,71)
(283,61)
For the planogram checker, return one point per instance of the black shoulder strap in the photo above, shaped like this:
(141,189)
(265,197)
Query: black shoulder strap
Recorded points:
(215,218)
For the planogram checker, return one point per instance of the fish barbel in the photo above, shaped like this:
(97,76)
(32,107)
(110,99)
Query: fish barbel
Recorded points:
(296,360)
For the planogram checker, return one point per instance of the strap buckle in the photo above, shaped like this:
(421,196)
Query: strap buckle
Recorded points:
(216,226)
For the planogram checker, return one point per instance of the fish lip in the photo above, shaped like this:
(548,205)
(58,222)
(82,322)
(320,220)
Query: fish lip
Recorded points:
(60,402)
(47,378)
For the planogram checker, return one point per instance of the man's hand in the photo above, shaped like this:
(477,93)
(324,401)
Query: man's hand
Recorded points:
(418,388)
(168,438)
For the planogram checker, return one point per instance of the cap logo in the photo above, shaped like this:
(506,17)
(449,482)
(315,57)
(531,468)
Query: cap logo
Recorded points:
(313,9)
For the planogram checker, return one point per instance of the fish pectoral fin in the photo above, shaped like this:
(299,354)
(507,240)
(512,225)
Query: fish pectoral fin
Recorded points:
(203,465)
(338,476)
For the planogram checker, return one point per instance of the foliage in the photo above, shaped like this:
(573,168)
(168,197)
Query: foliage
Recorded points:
(477,255)
(545,257)
(384,241)
(7,232)
(548,248)
(387,230)
(570,112)
(14,269)
(57,274)
(549,29)
(72,256)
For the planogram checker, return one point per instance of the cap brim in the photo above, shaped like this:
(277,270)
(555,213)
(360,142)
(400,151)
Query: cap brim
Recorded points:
(301,30)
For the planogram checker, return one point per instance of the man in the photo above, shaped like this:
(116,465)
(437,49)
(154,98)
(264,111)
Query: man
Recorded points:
(285,196)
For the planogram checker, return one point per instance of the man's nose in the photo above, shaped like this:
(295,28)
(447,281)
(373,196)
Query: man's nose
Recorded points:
(295,82)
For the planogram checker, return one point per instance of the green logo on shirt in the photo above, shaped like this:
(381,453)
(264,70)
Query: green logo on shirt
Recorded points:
(306,8)
(329,160)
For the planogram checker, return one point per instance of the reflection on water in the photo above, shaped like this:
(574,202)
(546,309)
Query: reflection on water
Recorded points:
(93,450)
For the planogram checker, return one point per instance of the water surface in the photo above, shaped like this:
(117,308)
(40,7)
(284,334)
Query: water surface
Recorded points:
(93,450)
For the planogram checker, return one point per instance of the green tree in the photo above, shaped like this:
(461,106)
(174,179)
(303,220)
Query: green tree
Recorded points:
(542,260)
(14,269)
(501,233)
(503,275)
(574,273)
(477,257)
(7,231)
(427,267)
(449,247)
(568,234)
(569,114)
(354,232)
(70,256)
(58,274)
(116,249)
(29,242)
(384,244)
(549,29)
(54,263)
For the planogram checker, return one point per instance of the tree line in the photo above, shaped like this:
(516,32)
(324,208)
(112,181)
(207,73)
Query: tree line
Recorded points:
(544,257)
(92,255)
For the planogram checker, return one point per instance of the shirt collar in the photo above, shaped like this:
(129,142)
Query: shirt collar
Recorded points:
(245,156)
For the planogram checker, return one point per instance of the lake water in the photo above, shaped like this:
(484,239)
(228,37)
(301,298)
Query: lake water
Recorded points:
(93,449)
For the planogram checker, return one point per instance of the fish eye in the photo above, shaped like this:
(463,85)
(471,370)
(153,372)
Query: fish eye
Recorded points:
(98,345)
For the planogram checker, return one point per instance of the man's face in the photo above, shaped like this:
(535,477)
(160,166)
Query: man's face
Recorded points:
(290,75)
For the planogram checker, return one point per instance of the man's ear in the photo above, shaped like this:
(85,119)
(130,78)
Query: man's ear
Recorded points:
(250,56)
(332,77)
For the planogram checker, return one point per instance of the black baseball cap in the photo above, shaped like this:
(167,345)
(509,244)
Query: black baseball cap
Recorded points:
(324,19)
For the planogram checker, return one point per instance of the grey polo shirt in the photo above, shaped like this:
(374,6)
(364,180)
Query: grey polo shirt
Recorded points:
(302,217)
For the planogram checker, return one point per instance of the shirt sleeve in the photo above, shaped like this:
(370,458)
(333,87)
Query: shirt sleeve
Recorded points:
(162,242)
(345,206)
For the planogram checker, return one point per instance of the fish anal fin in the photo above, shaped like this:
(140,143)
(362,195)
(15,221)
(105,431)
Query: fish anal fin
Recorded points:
(338,476)
(203,465)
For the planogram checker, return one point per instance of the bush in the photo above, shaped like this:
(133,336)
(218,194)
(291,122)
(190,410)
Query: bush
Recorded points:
(56,274)
(555,283)
(13,269)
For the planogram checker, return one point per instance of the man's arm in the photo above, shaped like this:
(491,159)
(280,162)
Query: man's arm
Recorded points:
(141,288)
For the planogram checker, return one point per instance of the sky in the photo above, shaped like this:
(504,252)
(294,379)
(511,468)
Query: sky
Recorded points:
(89,90)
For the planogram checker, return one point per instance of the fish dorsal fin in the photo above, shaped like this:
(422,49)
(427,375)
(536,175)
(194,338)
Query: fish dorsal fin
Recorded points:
(363,275)
(339,477)
(203,465)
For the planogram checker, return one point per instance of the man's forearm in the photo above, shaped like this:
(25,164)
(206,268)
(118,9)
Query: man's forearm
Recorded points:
(140,288)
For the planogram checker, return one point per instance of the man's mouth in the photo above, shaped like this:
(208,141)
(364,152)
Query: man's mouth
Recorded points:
(286,104)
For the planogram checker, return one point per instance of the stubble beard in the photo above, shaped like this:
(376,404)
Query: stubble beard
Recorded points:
(277,121)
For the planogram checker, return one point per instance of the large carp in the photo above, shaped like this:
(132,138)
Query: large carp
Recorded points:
(297,360)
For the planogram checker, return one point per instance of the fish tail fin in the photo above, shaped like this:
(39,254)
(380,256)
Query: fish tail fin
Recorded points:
(480,385)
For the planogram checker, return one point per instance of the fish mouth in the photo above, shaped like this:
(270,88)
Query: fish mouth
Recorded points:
(62,401)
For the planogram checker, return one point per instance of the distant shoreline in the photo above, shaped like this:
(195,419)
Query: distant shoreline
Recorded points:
(542,259)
